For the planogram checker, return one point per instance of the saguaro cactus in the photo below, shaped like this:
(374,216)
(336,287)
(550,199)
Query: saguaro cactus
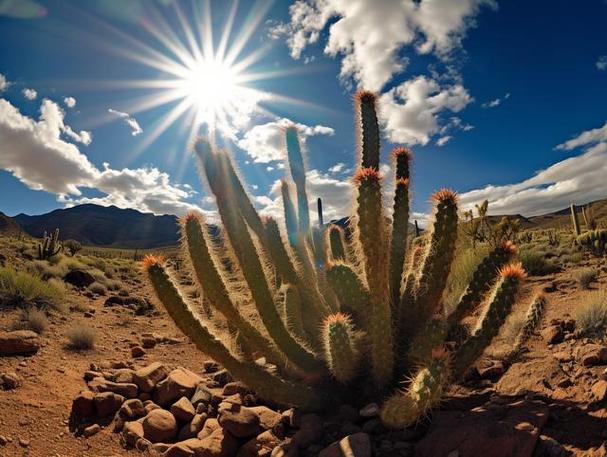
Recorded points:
(50,245)
(336,310)
(574,221)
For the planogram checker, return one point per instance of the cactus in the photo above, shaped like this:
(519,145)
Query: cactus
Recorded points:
(575,222)
(50,246)
(532,319)
(594,241)
(320,295)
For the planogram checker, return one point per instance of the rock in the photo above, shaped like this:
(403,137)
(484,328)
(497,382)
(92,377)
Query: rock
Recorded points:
(132,409)
(511,430)
(261,445)
(91,430)
(222,377)
(218,444)
(522,378)
(239,420)
(137,351)
(235,387)
(23,442)
(148,342)
(79,278)
(179,383)
(159,426)
(563,356)
(592,354)
(19,342)
(490,369)
(268,418)
(553,334)
(107,403)
(371,410)
(127,390)
(348,413)
(356,445)
(113,300)
(192,428)
(10,381)
(183,410)
(132,432)
(179,450)
(146,378)
(599,390)
(210,366)
(310,431)
(84,404)
(124,376)
(151,406)
(209,427)
(201,395)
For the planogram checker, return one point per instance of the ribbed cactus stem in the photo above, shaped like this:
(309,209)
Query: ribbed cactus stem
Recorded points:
(265,384)
(321,221)
(336,243)
(293,311)
(533,317)
(404,409)
(495,313)
(197,245)
(371,233)
(482,279)
(50,245)
(251,264)
(575,221)
(289,212)
(340,347)
(400,222)
(439,253)
(298,173)
(352,295)
(368,129)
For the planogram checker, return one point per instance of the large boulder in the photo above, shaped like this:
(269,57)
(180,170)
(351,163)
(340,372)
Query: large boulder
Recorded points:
(79,278)
(159,426)
(19,342)
(127,390)
(84,404)
(108,403)
(262,444)
(218,444)
(508,431)
(179,383)
(239,420)
(146,378)
(183,410)
(356,445)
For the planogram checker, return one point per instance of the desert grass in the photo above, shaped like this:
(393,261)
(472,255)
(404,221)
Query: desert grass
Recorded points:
(591,314)
(98,288)
(31,318)
(22,287)
(535,262)
(585,277)
(81,337)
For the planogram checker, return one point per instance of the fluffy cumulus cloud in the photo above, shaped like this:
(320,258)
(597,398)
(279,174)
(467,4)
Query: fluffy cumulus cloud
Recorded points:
(30,94)
(410,112)
(70,102)
(266,142)
(3,83)
(128,120)
(370,35)
(578,180)
(42,154)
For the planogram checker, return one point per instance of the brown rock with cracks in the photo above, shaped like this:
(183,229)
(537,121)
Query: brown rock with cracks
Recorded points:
(179,383)
(146,378)
(159,426)
(19,342)
(183,410)
(239,420)
(107,403)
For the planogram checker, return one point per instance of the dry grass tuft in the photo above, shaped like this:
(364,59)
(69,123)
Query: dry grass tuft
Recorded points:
(81,337)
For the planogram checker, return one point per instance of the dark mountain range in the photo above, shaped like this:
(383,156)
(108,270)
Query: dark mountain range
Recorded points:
(8,224)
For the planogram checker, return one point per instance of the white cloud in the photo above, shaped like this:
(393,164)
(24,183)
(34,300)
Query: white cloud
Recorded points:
(338,168)
(128,120)
(601,63)
(443,140)
(410,112)
(266,142)
(70,102)
(370,35)
(36,154)
(577,180)
(496,102)
(30,94)
(3,83)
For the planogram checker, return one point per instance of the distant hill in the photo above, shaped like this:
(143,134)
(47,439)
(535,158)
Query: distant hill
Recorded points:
(105,226)
(8,224)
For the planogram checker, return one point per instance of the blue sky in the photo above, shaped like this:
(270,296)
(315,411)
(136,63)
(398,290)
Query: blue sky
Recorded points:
(503,100)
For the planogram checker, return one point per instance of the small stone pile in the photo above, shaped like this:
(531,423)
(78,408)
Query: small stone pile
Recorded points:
(176,412)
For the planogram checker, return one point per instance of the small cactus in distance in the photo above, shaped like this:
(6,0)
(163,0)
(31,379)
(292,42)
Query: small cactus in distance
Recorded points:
(50,246)
(574,221)
(343,318)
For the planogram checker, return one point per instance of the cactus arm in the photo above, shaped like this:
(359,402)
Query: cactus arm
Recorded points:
(321,221)
(264,383)
(298,173)
(370,234)
(368,129)
(575,221)
(404,409)
(289,212)
(352,295)
(293,311)
(335,243)
(250,263)
(400,223)
(532,319)
(498,308)
(209,280)
(340,347)
(440,249)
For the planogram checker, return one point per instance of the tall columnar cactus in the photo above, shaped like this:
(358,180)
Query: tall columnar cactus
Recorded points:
(575,222)
(336,310)
(50,245)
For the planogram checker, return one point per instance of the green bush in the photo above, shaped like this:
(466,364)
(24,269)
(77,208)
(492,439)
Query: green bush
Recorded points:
(21,287)
(81,336)
(114,284)
(72,246)
(31,319)
(585,277)
(98,288)
(535,262)
(591,316)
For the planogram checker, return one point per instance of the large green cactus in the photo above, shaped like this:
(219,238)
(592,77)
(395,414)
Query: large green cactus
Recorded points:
(50,246)
(335,310)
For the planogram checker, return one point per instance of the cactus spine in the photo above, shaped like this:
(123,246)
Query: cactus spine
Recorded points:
(532,319)
(50,246)
(316,300)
